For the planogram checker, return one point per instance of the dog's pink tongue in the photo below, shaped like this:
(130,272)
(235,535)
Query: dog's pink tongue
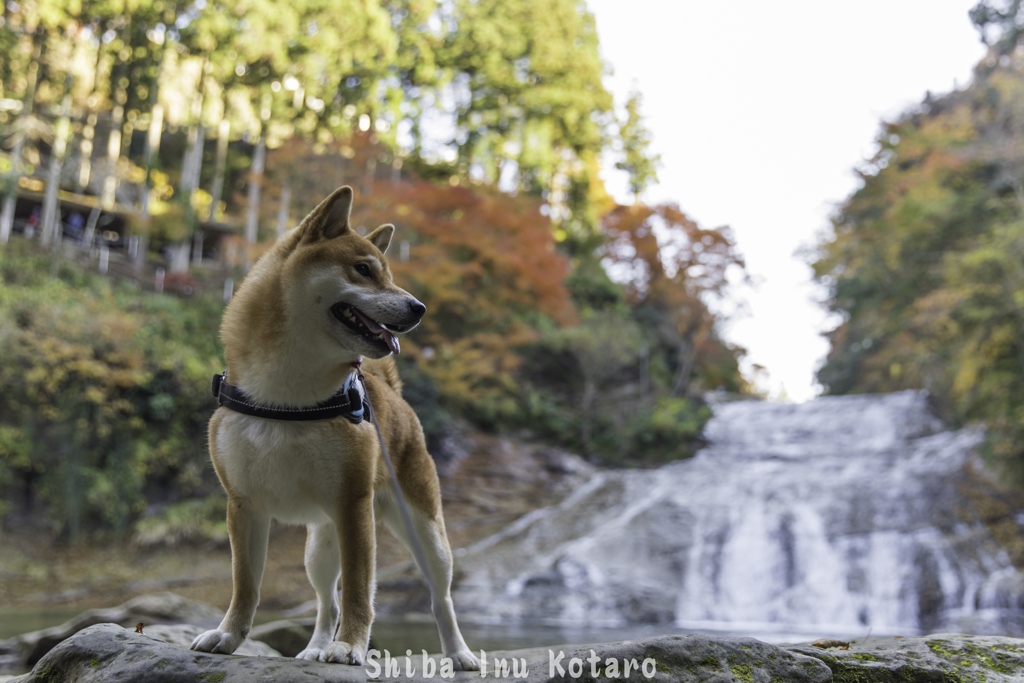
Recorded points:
(373,326)
(391,339)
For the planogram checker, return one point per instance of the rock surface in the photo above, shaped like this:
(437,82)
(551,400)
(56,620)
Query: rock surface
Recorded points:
(107,652)
(938,657)
(287,636)
(182,635)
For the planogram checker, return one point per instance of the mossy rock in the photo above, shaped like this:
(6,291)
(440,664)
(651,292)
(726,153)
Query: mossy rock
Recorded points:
(942,658)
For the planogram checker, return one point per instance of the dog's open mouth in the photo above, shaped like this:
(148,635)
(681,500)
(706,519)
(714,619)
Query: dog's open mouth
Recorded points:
(369,329)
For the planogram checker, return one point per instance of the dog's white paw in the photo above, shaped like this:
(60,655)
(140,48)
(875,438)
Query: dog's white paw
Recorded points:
(464,660)
(217,642)
(342,653)
(313,654)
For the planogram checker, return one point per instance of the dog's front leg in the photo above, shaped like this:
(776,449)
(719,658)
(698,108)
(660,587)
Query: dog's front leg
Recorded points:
(248,532)
(358,557)
(323,567)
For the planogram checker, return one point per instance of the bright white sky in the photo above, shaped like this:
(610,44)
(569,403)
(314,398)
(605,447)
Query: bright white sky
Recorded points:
(760,112)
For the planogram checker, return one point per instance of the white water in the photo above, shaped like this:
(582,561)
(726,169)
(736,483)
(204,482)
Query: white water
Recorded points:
(840,516)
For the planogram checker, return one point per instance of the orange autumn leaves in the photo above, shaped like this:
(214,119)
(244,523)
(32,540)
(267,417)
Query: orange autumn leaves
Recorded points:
(676,268)
(485,265)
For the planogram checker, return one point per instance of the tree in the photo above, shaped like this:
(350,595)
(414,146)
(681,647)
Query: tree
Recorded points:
(602,351)
(636,140)
(530,102)
(1000,27)
(101,407)
(923,263)
(675,268)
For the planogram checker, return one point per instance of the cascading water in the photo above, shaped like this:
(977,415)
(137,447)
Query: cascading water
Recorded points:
(843,515)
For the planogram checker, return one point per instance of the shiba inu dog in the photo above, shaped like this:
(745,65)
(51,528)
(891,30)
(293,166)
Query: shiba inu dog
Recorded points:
(320,300)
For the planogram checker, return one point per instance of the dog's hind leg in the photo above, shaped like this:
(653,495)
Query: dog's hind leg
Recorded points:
(434,541)
(249,532)
(323,567)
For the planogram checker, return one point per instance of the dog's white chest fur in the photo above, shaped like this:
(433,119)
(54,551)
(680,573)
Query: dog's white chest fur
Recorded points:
(291,471)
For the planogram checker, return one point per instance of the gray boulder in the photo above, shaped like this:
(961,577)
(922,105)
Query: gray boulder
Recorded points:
(107,653)
(287,636)
(182,635)
(24,651)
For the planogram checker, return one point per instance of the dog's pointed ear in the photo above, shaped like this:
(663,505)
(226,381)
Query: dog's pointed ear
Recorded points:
(330,218)
(381,237)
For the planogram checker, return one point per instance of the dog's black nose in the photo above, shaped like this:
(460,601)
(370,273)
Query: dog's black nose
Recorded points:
(417,309)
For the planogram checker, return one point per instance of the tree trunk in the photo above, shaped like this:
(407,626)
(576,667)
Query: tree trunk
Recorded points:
(223,131)
(11,198)
(85,148)
(684,370)
(110,182)
(190,168)
(52,229)
(255,180)
(109,192)
(284,209)
(190,183)
(197,247)
(153,137)
(586,413)
(90,226)
(109,195)
(89,129)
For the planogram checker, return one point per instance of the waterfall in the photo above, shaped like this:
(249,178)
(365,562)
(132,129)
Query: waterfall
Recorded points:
(843,515)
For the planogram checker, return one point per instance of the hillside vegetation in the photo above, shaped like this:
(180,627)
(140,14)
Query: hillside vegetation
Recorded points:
(106,386)
(926,260)
(477,127)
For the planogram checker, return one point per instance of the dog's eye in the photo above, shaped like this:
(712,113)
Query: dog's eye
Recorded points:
(364,270)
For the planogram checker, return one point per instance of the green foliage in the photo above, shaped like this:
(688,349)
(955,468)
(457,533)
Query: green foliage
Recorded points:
(925,262)
(596,388)
(591,288)
(533,75)
(423,394)
(672,427)
(521,82)
(637,161)
(105,393)
(591,368)
(199,520)
(999,24)
(105,402)
(623,384)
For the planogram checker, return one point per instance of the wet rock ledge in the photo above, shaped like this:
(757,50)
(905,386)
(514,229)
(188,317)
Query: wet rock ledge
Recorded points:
(108,652)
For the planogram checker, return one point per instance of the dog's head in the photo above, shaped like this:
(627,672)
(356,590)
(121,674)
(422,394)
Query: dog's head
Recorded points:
(342,283)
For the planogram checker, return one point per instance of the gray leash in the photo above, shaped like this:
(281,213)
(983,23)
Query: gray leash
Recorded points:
(414,539)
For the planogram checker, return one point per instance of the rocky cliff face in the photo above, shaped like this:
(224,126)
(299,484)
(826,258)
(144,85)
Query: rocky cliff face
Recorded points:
(845,515)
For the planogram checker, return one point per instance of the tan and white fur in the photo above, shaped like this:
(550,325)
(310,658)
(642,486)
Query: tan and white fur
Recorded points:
(290,336)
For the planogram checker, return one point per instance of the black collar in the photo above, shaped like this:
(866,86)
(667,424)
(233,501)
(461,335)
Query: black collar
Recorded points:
(349,402)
